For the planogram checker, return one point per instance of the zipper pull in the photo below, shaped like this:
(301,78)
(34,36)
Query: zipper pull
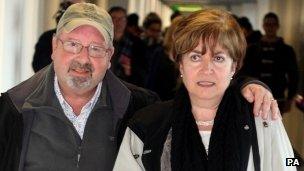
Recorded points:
(78,156)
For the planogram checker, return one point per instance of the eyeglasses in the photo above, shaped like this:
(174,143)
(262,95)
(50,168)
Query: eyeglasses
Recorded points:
(75,48)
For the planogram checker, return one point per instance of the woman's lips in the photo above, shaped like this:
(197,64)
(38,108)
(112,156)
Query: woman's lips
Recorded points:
(205,83)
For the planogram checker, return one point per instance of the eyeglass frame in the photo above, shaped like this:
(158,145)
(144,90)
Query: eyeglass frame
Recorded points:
(88,47)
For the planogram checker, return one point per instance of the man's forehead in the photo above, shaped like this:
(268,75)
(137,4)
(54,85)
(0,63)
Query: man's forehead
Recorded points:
(86,28)
(83,31)
(118,13)
(270,20)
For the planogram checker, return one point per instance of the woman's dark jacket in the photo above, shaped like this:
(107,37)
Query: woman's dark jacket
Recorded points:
(229,145)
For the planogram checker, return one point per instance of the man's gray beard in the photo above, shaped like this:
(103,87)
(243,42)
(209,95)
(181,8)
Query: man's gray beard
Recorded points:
(79,82)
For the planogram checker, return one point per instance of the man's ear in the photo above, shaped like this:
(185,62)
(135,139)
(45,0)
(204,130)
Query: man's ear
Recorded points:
(54,44)
(110,52)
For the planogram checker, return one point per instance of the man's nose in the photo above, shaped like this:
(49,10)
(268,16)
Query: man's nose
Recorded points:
(84,53)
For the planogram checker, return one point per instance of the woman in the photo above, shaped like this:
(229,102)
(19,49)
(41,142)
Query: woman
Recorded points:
(209,125)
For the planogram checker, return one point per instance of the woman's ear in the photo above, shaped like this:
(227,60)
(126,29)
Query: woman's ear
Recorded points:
(233,68)
(181,68)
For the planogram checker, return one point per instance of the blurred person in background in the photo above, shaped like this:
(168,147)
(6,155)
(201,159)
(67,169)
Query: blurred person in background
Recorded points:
(174,15)
(43,48)
(152,38)
(252,36)
(163,75)
(152,25)
(128,61)
(273,62)
(132,25)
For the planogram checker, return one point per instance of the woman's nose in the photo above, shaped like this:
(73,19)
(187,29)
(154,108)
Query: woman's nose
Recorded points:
(207,66)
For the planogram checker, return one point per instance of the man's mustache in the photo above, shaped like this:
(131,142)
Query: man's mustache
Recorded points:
(77,65)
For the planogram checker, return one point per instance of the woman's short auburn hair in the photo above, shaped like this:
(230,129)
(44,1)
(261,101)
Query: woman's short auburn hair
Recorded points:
(212,26)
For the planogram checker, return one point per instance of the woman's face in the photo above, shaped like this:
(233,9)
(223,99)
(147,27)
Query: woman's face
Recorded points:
(206,76)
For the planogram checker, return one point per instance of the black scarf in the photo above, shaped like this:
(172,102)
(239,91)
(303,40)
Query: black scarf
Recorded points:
(230,139)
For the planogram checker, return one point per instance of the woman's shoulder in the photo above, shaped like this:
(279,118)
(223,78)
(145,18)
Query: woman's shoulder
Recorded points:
(268,125)
(153,119)
(274,144)
(272,133)
(154,113)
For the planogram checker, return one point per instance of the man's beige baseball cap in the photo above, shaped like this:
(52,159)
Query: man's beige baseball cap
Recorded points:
(80,14)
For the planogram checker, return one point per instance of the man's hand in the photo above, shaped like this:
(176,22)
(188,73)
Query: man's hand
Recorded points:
(263,101)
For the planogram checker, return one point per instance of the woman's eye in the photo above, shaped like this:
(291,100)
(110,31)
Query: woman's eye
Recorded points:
(195,57)
(219,58)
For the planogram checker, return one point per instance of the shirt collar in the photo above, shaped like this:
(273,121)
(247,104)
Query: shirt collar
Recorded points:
(65,104)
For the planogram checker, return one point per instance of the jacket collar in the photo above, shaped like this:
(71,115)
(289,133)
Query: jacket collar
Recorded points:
(38,91)
(119,95)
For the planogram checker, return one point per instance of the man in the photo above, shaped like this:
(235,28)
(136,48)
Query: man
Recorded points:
(132,25)
(71,115)
(152,25)
(128,62)
(252,36)
(274,62)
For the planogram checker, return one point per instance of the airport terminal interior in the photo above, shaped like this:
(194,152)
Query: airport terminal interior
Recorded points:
(23,21)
